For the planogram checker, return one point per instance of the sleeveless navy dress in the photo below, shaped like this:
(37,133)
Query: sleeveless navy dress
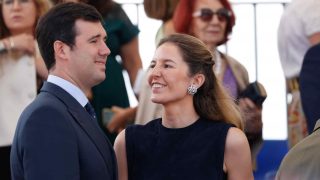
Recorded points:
(196,152)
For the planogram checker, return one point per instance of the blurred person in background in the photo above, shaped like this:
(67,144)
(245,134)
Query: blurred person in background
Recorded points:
(20,64)
(161,10)
(299,29)
(124,45)
(212,21)
(146,110)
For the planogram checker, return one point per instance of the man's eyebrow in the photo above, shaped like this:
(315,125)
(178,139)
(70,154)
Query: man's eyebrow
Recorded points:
(97,36)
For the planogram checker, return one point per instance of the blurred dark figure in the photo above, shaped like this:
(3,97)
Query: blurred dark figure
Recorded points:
(310,85)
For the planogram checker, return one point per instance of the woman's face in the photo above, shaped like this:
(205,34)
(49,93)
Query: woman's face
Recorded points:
(210,29)
(19,15)
(168,75)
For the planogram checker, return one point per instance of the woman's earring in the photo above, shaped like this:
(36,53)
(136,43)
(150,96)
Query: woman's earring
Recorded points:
(192,89)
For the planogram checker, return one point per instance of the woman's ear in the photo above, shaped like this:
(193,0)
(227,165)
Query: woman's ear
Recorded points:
(198,80)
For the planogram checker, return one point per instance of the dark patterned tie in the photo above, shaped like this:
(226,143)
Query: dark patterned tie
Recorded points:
(91,111)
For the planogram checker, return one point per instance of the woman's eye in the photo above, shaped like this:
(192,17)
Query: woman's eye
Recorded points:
(151,65)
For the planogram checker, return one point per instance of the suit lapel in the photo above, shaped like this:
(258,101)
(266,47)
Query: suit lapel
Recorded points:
(82,117)
(317,126)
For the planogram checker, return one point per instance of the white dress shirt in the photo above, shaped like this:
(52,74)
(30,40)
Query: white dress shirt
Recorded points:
(72,89)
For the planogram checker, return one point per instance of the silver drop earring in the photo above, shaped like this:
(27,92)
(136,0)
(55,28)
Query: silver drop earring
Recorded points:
(192,89)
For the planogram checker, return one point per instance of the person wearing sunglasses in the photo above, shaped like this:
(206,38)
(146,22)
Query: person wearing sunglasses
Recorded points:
(212,21)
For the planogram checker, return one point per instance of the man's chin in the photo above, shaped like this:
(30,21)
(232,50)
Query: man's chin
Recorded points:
(99,80)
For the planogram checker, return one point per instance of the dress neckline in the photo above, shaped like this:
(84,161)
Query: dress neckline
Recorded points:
(178,130)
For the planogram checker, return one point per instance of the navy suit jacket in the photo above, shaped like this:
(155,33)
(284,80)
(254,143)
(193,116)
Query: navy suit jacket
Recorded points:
(56,138)
(310,86)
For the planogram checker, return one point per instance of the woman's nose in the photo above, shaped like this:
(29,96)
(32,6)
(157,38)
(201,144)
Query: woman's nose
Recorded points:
(156,71)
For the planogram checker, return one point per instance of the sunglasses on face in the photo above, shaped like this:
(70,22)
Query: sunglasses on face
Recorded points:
(206,14)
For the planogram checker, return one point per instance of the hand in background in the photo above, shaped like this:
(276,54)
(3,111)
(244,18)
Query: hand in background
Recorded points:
(252,116)
(121,117)
(24,42)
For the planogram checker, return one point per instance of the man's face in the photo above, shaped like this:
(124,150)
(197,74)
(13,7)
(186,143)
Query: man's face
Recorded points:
(87,58)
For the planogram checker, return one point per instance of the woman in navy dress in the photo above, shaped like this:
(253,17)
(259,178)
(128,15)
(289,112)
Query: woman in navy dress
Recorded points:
(200,133)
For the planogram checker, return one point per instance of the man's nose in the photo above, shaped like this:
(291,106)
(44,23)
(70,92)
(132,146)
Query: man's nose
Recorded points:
(105,50)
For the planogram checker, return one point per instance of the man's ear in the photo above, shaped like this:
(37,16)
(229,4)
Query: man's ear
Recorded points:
(61,50)
(198,79)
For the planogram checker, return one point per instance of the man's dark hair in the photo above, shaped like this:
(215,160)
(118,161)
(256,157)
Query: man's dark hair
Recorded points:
(59,24)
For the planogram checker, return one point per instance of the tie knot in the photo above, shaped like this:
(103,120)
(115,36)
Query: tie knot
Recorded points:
(90,110)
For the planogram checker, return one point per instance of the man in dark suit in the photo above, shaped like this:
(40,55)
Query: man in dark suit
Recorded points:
(56,137)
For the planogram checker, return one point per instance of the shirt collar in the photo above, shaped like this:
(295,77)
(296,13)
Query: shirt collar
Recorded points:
(73,90)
